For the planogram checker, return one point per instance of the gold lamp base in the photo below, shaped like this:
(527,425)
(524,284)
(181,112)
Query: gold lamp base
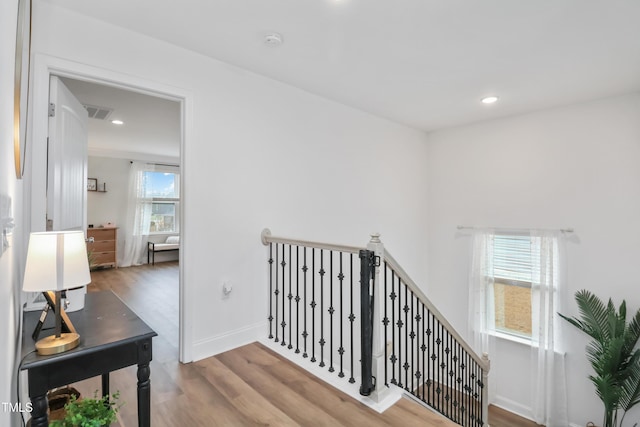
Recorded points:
(54,345)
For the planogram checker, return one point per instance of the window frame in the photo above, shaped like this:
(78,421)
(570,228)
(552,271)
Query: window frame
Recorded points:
(167,200)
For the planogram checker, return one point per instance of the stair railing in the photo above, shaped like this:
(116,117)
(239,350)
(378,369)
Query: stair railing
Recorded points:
(399,337)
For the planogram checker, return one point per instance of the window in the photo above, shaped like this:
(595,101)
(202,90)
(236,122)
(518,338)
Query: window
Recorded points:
(163,189)
(512,277)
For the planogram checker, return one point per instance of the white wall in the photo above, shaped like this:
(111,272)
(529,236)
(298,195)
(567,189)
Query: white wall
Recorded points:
(260,154)
(569,167)
(11,250)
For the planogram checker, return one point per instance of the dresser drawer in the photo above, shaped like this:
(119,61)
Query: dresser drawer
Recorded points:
(102,233)
(102,246)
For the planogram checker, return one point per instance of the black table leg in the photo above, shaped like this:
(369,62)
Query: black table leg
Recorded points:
(144,395)
(105,385)
(39,417)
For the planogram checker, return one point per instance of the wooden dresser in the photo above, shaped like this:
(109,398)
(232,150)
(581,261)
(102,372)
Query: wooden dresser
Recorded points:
(103,249)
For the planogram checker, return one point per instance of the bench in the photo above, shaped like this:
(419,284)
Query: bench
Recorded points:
(171,244)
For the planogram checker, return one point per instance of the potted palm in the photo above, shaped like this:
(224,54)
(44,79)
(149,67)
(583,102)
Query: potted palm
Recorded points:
(612,354)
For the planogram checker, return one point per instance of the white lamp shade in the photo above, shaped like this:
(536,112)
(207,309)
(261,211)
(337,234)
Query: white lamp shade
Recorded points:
(56,260)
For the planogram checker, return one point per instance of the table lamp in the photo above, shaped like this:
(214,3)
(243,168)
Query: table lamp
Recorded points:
(56,261)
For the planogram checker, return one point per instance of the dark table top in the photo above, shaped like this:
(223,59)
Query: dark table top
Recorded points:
(104,322)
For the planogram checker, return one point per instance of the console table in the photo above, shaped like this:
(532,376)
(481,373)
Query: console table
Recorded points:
(111,337)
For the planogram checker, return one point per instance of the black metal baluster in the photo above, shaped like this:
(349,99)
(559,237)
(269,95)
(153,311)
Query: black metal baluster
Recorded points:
(276,293)
(385,322)
(432,374)
(297,299)
(436,372)
(341,349)
(412,335)
(352,316)
(449,375)
(270,290)
(393,329)
(313,305)
(400,324)
(284,323)
(322,341)
(331,311)
(305,333)
(423,349)
(406,339)
(290,298)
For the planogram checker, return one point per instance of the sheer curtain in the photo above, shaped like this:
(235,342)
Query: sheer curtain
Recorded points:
(136,229)
(481,298)
(549,404)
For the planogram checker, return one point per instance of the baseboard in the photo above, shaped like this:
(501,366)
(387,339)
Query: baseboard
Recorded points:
(227,341)
(519,409)
(513,407)
(392,395)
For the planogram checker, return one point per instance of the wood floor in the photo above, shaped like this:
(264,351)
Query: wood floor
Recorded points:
(248,386)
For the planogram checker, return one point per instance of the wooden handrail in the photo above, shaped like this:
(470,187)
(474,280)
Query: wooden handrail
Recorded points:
(268,238)
(390,260)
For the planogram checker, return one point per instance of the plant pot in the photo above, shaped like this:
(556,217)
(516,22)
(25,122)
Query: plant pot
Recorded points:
(57,400)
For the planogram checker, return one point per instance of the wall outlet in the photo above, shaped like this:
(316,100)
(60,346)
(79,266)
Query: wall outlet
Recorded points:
(226,289)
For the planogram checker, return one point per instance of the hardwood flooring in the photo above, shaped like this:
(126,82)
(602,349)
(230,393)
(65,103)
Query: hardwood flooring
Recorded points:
(248,386)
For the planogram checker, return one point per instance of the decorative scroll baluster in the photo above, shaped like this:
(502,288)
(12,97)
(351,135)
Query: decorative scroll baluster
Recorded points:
(331,311)
(283,263)
(276,293)
(305,334)
(394,358)
(352,316)
(313,305)
(270,290)
(385,322)
(297,299)
(341,317)
(322,341)
(406,338)
(290,298)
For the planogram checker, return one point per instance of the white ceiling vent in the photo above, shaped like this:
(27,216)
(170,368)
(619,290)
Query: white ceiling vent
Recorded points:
(98,113)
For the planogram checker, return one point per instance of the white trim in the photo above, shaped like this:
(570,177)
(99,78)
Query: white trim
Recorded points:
(513,407)
(43,67)
(342,384)
(228,341)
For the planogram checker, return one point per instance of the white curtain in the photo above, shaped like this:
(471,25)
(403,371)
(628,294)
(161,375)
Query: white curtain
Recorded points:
(481,298)
(136,230)
(549,404)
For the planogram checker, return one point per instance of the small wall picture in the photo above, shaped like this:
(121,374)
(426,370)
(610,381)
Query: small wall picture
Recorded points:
(92,184)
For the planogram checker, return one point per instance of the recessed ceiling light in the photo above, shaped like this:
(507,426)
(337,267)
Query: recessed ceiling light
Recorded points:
(117,122)
(489,99)
(273,39)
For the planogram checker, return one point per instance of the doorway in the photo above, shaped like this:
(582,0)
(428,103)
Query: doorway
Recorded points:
(44,67)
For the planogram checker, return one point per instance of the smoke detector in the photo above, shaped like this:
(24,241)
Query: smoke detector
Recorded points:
(273,39)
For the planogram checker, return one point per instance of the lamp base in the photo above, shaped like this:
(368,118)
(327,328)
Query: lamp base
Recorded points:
(54,345)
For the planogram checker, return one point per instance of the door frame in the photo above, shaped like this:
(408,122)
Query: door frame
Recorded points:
(43,67)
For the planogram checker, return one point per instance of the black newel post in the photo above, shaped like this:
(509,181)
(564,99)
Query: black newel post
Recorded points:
(367,264)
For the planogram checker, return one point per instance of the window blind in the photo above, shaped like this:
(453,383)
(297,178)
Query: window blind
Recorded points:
(512,257)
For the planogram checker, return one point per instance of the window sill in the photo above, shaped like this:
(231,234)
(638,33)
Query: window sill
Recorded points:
(513,338)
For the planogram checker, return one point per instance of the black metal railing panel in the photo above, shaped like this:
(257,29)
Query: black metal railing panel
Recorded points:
(314,305)
(425,358)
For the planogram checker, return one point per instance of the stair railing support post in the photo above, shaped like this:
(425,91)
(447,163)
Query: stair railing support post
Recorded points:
(367,261)
(378,360)
(485,390)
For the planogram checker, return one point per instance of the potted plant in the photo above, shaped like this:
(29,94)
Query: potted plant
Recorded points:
(96,412)
(612,354)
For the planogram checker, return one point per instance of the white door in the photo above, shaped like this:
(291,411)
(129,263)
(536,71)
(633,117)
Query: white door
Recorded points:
(67,160)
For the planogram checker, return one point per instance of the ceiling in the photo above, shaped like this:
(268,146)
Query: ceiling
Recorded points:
(151,129)
(423,63)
